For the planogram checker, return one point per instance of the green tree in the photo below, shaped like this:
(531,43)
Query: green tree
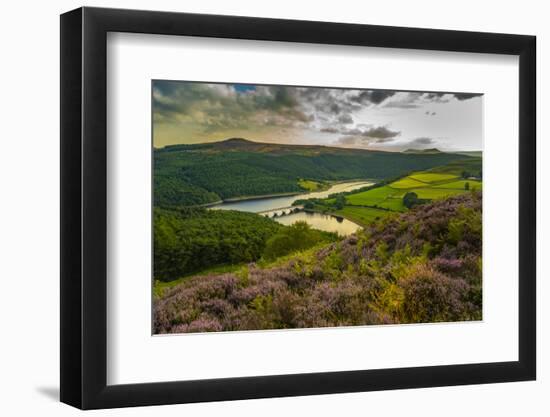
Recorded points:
(410,199)
(340,202)
(294,238)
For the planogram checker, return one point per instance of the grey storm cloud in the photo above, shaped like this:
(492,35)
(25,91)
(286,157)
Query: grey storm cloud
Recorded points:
(458,96)
(220,105)
(330,130)
(412,100)
(372,96)
(466,96)
(366,137)
(345,119)
(378,133)
(422,141)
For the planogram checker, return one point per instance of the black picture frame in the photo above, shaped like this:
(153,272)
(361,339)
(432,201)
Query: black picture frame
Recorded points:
(84,207)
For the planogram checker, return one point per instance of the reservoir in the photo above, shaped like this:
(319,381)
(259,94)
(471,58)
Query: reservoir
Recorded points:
(316,220)
(320,221)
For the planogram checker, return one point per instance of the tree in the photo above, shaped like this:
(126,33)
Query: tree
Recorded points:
(467,186)
(296,237)
(340,202)
(410,199)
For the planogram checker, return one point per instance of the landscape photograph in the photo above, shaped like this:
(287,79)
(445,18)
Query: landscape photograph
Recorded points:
(293,207)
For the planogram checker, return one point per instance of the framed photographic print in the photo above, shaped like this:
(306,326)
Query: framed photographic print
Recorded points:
(257,208)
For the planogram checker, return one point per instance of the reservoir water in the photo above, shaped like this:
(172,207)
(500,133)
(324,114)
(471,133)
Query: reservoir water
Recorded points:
(316,220)
(320,221)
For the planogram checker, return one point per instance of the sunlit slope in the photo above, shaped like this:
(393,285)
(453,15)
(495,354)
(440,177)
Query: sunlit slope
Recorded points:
(187,175)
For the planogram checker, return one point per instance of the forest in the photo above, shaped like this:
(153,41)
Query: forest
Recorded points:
(190,175)
(190,240)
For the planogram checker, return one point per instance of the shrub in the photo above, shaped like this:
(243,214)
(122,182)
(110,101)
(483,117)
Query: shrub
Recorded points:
(418,267)
(430,296)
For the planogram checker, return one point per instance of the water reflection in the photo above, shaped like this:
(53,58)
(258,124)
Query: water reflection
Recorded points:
(320,221)
(272,203)
(282,208)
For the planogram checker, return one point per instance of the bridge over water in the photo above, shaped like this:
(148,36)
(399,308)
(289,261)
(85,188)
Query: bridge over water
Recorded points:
(280,211)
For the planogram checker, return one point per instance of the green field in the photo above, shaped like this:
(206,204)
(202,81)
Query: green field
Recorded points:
(407,182)
(431,177)
(363,215)
(441,182)
(461,185)
(311,185)
(393,203)
(373,197)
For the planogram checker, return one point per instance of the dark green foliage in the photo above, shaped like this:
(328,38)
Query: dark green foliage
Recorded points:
(411,199)
(340,202)
(190,240)
(204,173)
(295,238)
(177,191)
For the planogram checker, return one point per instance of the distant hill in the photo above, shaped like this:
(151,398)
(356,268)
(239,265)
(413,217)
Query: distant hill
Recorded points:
(187,175)
(423,151)
(477,154)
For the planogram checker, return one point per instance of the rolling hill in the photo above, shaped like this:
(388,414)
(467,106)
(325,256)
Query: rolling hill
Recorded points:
(423,151)
(198,174)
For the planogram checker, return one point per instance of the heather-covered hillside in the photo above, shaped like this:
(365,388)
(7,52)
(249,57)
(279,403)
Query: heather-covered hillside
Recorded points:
(420,266)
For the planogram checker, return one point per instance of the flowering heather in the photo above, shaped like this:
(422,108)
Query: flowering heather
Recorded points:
(418,267)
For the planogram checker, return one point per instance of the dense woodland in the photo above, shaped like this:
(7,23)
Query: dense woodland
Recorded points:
(189,240)
(188,175)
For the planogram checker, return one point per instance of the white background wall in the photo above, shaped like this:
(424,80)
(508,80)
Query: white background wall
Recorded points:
(29,236)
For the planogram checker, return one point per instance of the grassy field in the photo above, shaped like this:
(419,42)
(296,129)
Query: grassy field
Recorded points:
(363,215)
(407,182)
(436,193)
(432,177)
(373,197)
(311,185)
(461,185)
(393,203)
(434,184)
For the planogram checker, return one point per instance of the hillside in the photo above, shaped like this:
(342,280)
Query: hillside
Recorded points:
(187,175)
(420,266)
(423,151)
(367,204)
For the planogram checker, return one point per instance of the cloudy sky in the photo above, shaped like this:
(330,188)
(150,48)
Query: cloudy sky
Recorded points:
(193,112)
